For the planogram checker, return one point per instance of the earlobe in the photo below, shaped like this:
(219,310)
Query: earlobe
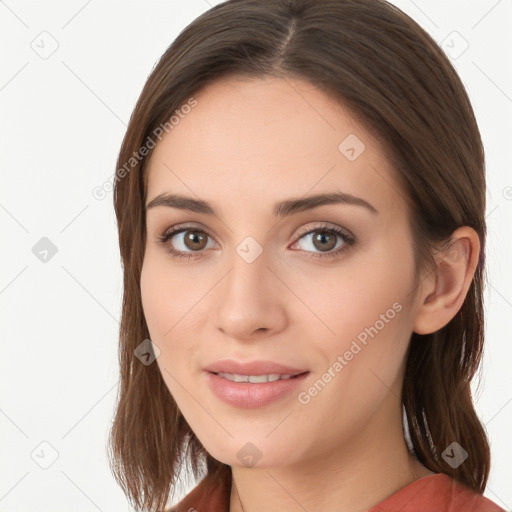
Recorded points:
(445,289)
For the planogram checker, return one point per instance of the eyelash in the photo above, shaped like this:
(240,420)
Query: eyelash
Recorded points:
(348,241)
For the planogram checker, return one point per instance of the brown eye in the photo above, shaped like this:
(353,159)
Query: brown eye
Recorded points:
(195,240)
(186,241)
(324,240)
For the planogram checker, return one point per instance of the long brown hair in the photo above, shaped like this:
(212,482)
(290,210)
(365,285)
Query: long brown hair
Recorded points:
(398,83)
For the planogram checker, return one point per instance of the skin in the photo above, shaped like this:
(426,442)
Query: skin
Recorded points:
(248,144)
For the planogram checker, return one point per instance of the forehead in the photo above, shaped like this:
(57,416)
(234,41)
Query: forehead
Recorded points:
(269,138)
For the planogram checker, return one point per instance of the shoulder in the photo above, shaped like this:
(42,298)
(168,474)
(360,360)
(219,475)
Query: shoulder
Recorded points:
(212,493)
(437,492)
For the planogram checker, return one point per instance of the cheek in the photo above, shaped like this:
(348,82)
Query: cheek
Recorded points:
(367,310)
(360,297)
(163,306)
(170,300)
(363,360)
(154,298)
(161,312)
(167,295)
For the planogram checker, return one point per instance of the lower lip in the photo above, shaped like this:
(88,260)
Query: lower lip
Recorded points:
(250,396)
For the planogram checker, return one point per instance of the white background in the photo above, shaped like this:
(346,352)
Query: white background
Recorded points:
(62,121)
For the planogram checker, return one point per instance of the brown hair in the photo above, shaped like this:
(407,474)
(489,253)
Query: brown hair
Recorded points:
(390,73)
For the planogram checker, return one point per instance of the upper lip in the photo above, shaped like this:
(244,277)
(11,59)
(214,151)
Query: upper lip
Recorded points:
(252,368)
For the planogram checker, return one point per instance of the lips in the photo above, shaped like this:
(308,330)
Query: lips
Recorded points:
(254,379)
(253,368)
(252,384)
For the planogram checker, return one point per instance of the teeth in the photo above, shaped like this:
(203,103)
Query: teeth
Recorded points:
(259,378)
(255,379)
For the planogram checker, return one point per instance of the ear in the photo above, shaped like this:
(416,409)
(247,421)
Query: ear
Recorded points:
(444,290)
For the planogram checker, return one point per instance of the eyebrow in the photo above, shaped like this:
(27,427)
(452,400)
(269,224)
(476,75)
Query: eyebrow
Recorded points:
(280,209)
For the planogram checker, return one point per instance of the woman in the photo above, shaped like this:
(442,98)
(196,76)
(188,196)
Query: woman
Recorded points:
(301,207)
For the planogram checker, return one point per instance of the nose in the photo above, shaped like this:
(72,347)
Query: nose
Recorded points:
(250,300)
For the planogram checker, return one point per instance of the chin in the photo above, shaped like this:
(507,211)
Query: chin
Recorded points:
(255,452)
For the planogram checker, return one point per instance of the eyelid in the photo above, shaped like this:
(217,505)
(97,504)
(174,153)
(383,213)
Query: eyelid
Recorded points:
(327,226)
(174,230)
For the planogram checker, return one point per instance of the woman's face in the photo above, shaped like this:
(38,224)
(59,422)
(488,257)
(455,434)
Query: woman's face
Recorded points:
(259,282)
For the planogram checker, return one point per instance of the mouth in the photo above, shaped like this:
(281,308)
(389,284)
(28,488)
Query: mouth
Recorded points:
(249,391)
(227,368)
(257,379)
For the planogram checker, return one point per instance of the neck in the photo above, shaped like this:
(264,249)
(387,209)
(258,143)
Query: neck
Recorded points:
(354,477)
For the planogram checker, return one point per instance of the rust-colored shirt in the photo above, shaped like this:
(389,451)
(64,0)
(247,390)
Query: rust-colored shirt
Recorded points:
(434,493)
